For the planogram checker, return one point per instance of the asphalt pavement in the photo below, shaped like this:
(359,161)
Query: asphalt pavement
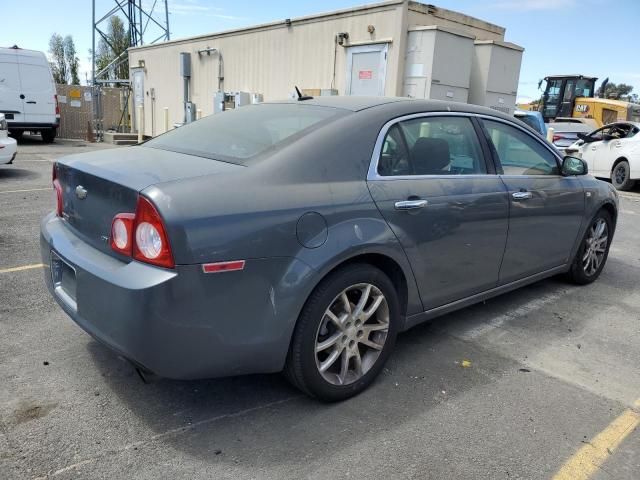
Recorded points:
(518,387)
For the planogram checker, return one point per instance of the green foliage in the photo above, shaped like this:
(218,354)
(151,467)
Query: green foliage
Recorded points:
(64,61)
(619,90)
(113,46)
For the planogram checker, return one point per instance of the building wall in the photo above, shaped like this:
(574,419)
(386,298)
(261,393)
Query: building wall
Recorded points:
(270,60)
(420,14)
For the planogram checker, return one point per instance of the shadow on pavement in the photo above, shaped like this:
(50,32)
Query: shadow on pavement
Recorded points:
(11,172)
(260,418)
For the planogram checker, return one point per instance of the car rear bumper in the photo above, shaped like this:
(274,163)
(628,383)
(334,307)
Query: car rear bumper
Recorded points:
(31,126)
(8,149)
(180,323)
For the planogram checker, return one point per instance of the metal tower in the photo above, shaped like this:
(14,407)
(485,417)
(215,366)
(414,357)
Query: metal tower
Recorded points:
(144,19)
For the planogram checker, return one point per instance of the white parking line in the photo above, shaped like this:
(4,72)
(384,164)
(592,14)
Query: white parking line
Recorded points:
(167,433)
(500,320)
(22,268)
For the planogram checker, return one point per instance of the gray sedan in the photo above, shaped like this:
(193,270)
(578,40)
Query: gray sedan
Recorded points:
(305,235)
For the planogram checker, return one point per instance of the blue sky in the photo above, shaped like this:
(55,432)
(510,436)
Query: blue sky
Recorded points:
(594,37)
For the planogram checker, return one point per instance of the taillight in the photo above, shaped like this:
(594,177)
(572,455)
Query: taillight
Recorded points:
(58,190)
(55,98)
(122,233)
(558,137)
(142,235)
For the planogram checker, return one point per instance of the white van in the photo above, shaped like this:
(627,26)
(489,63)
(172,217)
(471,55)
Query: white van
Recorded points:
(27,93)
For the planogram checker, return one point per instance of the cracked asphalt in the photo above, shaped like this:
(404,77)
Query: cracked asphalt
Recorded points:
(547,368)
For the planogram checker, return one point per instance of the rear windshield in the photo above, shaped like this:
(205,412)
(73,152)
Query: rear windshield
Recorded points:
(239,135)
(529,120)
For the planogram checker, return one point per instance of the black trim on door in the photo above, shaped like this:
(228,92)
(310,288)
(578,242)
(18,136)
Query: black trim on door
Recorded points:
(481,133)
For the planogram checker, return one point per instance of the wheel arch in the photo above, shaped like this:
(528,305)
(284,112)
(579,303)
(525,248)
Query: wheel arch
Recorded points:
(389,267)
(617,161)
(611,209)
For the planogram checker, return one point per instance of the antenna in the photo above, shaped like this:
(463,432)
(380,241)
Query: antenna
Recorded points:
(302,98)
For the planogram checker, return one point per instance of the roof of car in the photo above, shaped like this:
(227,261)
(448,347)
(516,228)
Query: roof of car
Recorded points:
(352,103)
(399,105)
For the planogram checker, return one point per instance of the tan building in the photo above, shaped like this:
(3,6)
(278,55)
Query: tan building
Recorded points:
(356,51)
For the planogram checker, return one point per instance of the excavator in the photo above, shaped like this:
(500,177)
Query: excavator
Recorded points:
(572,98)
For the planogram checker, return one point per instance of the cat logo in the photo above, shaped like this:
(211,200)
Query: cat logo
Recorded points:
(582,108)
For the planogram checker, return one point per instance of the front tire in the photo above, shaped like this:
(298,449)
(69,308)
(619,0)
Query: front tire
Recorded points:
(621,176)
(345,333)
(593,251)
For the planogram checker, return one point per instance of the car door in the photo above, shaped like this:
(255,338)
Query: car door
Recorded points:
(431,181)
(38,90)
(545,208)
(11,104)
(611,149)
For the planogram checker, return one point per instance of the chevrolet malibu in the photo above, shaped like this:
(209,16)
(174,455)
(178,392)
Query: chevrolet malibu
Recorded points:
(303,236)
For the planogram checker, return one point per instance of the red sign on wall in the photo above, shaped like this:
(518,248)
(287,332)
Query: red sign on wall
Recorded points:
(365,74)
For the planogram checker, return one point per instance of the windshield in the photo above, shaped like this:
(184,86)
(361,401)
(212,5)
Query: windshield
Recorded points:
(239,135)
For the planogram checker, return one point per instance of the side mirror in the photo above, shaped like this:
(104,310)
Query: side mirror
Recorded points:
(573,166)
(585,138)
(606,137)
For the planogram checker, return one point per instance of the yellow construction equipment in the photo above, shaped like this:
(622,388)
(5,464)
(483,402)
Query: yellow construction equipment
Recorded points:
(573,96)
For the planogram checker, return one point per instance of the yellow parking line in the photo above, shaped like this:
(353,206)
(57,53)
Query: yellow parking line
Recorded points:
(586,461)
(20,269)
(26,190)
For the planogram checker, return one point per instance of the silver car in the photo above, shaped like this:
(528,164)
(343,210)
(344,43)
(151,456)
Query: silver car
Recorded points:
(305,235)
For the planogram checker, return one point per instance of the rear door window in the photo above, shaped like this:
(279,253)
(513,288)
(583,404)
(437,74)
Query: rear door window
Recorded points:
(432,146)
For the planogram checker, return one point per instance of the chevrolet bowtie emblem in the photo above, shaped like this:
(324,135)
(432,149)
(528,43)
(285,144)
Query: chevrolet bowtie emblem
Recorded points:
(81,192)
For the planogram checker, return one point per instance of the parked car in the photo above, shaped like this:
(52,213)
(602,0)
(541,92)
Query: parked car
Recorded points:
(27,93)
(8,146)
(612,152)
(532,118)
(565,134)
(590,122)
(304,235)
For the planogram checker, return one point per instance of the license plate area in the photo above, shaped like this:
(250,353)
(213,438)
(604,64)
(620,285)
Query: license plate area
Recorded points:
(63,276)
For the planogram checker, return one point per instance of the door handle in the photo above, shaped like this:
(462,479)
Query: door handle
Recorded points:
(31,101)
(618,144)
(522,195)
(594,148)
(411,204)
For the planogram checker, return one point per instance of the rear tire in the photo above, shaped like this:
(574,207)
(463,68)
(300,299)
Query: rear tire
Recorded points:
(345,333)
(593,251)
(48,136)
(16,134)
(621,176)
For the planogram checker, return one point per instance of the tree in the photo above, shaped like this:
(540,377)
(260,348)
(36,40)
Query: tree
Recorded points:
(113,45)
(71,59)
(64,61)
(613,90)
(58,62)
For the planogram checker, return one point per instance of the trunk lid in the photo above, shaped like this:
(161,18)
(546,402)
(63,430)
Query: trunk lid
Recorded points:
(98,185)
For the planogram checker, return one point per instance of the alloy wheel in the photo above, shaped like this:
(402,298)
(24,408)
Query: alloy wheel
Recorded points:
(596,246)
(620,174)
(352,334)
